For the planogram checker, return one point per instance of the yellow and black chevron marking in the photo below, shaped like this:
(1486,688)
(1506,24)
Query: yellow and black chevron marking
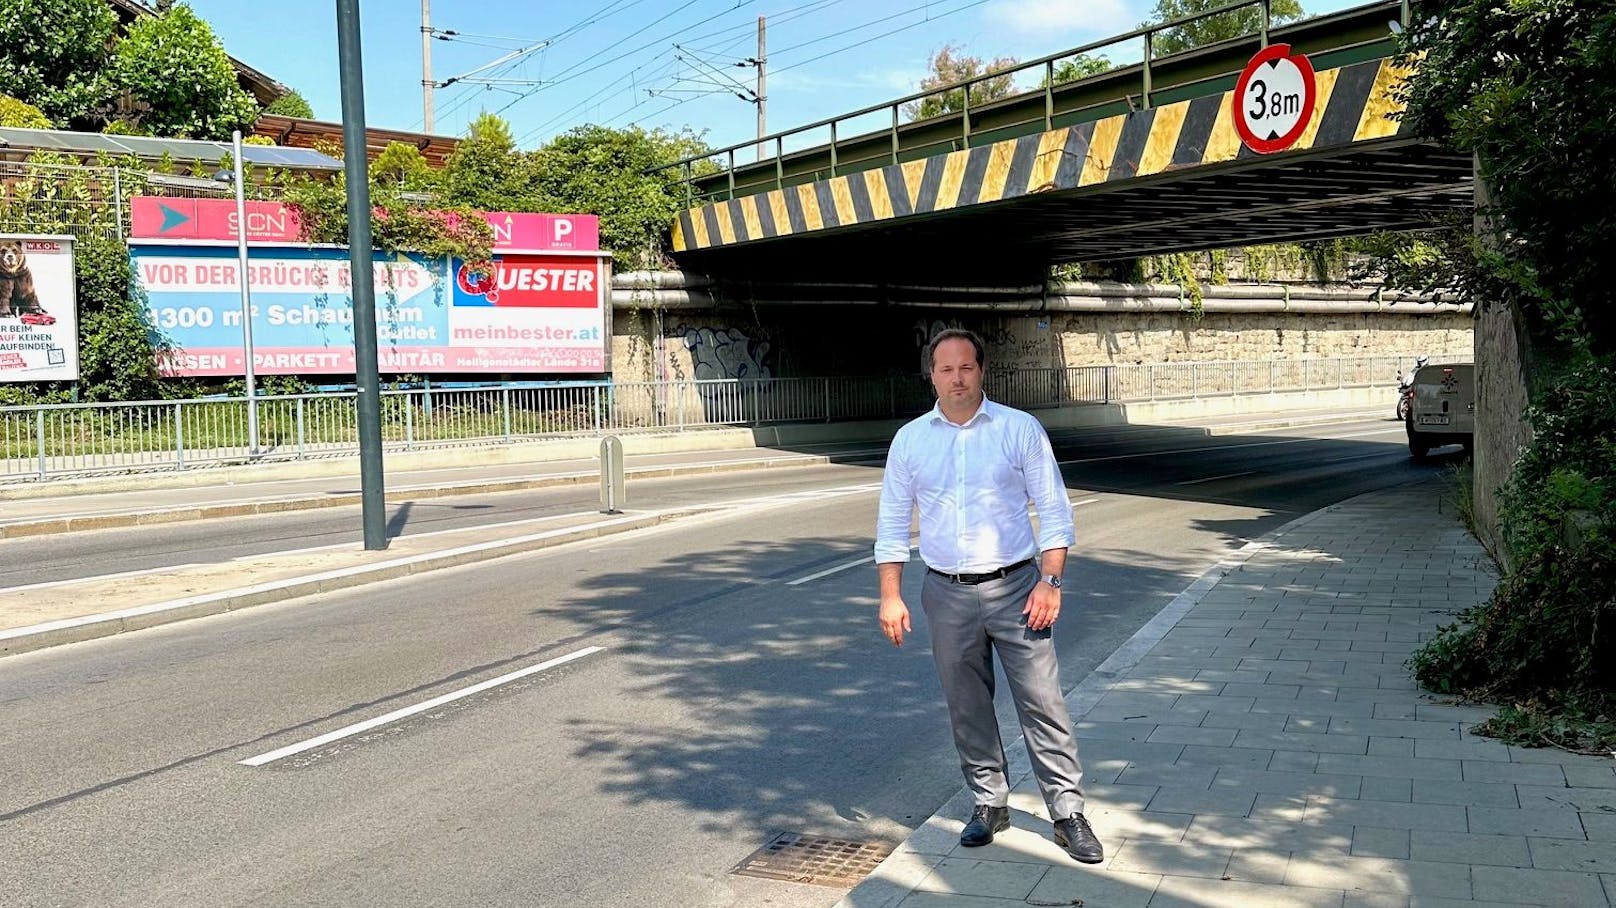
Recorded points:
(1354,104)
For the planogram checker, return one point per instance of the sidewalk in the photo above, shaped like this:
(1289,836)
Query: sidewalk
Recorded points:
(1261,743)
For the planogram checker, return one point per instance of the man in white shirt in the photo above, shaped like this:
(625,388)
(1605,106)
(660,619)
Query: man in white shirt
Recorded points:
(972,466)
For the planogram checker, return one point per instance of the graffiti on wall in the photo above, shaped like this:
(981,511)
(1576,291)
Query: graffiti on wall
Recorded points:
(726,353)
(926,329)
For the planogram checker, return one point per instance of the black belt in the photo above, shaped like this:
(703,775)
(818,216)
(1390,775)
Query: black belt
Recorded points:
(973,579)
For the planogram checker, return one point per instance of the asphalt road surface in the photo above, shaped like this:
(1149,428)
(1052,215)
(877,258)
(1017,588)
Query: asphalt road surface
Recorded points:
(644,710)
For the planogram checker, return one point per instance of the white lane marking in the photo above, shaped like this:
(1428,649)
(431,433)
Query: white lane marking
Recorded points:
(839,568)
(1192,482)
(1078,504)
(1253,444)
(1393,453)
(829,571)
(397,714)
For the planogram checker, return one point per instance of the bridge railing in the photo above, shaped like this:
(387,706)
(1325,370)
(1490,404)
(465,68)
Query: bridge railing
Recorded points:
(44,441)
(713,176)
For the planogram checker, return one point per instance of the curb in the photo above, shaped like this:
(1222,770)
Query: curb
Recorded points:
(89,627)
(54,525)
(896,877)
(1295,422)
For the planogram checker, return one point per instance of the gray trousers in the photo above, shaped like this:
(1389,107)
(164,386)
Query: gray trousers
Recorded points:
(969,623)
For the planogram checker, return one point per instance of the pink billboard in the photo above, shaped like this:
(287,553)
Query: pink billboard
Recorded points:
(211,219)
(158,218)
(544,232)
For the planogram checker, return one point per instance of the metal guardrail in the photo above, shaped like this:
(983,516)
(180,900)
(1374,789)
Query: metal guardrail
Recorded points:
(89,199)
(882,146)
(61,439)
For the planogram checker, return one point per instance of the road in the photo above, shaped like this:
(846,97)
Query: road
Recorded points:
(740,687)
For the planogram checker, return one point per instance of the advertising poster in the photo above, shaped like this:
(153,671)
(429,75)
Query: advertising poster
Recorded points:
(39,327)
(533,313)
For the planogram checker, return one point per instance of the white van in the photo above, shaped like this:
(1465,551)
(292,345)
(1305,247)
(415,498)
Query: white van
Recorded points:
(1442,410)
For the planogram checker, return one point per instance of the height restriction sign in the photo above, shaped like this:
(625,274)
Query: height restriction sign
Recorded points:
(1273,100)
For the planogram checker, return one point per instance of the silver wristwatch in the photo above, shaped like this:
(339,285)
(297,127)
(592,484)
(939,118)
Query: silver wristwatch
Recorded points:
(1053,580)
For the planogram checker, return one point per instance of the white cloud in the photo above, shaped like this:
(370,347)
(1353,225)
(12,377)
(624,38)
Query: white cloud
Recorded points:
(1092,18)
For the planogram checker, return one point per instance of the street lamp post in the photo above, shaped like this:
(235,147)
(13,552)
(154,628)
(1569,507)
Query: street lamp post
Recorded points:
(372,500)
(246,299)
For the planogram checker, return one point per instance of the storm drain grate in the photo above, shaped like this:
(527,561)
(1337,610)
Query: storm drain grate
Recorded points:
(798,858)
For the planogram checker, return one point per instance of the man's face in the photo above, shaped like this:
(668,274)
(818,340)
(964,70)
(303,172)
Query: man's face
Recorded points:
(954,373)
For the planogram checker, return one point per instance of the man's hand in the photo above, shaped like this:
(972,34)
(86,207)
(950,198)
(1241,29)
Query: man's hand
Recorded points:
(894,620)
(1043,606)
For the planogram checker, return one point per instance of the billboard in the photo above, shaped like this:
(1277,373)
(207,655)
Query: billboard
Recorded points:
(151,217)
(161,218)
(535,312)
(39,325)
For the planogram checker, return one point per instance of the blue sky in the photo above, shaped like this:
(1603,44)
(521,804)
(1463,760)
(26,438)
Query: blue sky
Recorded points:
(614,61)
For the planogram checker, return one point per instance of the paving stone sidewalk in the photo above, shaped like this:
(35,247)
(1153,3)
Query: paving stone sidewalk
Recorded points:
(1262,743)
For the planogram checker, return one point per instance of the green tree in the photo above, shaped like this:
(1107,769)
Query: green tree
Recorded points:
(402,166)
(950,66)
(1526,87)
(53,55)
(22,114)
(486,170)
(291,104)
(606,172)
(1222,27)
(179,79)
(117,348)
(1081,66)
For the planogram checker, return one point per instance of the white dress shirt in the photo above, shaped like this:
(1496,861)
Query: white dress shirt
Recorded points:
(972,484)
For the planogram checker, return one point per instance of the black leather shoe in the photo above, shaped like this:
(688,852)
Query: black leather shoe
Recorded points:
(985,821)
(1076,836)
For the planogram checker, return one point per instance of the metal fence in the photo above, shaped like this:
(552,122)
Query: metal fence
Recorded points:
(45,441)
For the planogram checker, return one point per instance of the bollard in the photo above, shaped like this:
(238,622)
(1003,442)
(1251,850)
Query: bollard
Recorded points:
(612,491)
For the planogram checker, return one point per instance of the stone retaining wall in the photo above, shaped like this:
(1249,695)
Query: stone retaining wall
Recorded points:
(785,341)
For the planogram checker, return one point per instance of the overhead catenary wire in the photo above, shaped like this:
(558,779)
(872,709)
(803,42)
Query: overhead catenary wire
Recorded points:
(921,8)
(861,43)
(574,72)
(607,90)
(463,97)
(653,78)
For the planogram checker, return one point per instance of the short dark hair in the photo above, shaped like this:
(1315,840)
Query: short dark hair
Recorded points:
(951,334)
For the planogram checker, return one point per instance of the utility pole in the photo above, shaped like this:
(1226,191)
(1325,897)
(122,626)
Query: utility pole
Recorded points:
(762,87)
(426,62)
(246,297)
(372,498)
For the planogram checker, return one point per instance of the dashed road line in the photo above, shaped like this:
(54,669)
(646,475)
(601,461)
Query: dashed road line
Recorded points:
(395,715)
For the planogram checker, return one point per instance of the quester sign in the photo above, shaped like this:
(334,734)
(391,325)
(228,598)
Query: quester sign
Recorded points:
(541,307)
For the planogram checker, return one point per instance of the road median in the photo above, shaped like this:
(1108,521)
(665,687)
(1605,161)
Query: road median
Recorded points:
(52,614)
(47,525)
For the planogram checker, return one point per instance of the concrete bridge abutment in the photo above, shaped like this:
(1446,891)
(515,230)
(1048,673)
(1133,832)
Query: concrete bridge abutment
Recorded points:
(672,326)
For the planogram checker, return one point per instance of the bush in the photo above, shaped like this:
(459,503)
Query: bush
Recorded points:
(1547,638)
(22,115)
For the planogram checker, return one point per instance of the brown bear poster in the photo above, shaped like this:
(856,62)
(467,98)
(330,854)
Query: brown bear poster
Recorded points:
(38,318)
(18,298)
